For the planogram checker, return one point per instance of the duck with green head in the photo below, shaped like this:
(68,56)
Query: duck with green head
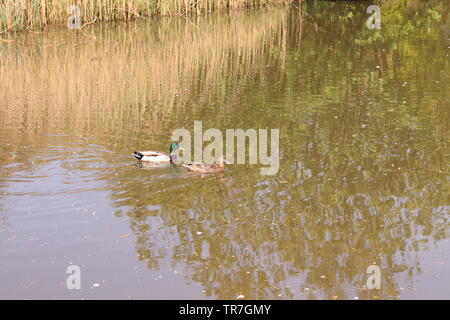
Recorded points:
(158,156)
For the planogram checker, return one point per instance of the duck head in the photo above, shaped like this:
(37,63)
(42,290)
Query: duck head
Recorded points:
(174,147)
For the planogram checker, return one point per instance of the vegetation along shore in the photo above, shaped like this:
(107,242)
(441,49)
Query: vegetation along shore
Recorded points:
(28,14)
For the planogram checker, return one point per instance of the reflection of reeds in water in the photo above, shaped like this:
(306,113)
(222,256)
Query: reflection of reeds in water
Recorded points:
(90,80)
(20,14)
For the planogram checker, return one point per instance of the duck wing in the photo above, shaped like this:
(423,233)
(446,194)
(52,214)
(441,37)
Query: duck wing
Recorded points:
(203,167)
(148,154)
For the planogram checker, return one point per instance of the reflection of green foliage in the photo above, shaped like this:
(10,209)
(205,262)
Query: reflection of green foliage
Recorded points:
(435,15)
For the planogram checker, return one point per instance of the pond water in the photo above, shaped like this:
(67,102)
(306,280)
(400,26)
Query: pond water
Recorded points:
(363,174)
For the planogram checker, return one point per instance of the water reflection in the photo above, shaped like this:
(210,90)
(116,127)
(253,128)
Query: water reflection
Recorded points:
(362,119)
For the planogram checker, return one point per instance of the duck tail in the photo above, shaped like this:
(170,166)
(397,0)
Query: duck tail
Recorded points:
(138,155)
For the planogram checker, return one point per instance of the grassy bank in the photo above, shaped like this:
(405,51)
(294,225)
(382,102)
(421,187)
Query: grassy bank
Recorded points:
(26,14)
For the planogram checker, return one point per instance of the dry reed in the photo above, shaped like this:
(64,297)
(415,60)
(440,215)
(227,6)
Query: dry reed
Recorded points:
(27,14)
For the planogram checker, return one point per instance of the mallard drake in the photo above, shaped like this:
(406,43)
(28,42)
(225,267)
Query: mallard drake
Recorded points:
(158,156)
(207,167)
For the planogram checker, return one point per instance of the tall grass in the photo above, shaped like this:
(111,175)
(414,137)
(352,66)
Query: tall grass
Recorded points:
(25,14)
